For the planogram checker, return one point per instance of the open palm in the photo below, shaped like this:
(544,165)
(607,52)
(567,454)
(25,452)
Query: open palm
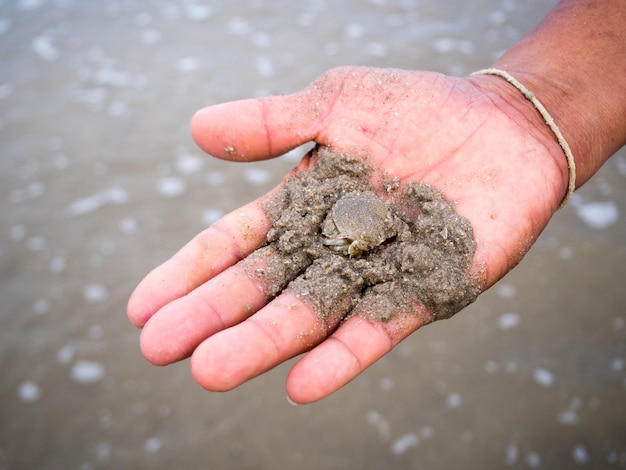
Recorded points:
(475,139)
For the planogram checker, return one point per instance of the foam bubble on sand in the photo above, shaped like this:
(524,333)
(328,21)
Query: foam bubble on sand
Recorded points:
(568,418)
(5,25)
(89,204)
(508,321)
(6,90)
(29,392)
(150,36)
(187,64)
(580,454)
(84,371)
(58,264)
(189,163)
(172,186)
(43,47)
(617,364)
(128,225)
(41,307)
(377,49)
(197,11)
(210,216)
(404,443)
(445,45)
(259,176)
(533,460)
(381,424)
(239,26)
(27,5)
(264,67)
(506,291)
(543,377)
(454,400)
(511,454)
(65,355)
(215,178)
(598,215)
(95,293)
(153,445)
(18,232)
(262,40)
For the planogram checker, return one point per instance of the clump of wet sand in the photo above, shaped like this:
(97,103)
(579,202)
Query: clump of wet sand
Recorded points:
(411,247)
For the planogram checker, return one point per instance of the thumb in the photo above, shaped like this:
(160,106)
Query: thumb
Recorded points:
(256,129)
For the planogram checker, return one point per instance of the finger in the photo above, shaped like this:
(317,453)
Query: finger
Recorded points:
(256,129)
(284,328)
(179,327)
(224,243)
(356,345)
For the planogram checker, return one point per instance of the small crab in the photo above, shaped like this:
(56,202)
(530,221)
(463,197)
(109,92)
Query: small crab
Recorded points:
(357,223)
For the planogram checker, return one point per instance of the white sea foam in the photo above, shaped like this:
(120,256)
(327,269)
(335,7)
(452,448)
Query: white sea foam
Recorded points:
(89,204)
(27,5)
(382,425)
(187,64)
(18,232)
(197,11)
(617,364)
(153,445)
(5,25)
(36,243)
(58,264)
(211,216)
(44,48)
(188,163)
(506,291)
(454,400)
(446,45)
(377,49)
(265,67)
(239,26)
(215,178)
(259,176)
(128,225)
(543,377)
(404,443)
(6,90)
(65,355)
(511,454)
(172,186)
(598,215)
(262,40)
(508,321)
(533,460)
(568,417)
(84,371)
(29,392)
(95,293)
(150,36)
(41,306)
(580,454)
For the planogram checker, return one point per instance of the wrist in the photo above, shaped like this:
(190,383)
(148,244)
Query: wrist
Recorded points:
(549,121)
(521,106)
(574,64)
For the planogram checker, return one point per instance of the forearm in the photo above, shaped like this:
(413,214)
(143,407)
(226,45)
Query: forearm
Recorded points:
(575,64)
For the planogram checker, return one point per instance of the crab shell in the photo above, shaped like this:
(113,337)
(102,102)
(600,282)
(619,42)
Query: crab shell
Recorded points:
(357,223)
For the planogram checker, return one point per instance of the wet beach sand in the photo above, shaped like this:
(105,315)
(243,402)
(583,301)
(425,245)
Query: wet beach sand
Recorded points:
(100,182)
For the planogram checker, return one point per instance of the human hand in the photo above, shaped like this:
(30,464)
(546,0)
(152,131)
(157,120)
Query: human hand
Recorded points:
(475,139)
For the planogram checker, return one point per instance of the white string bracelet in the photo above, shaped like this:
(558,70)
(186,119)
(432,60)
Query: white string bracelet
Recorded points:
(530,96)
